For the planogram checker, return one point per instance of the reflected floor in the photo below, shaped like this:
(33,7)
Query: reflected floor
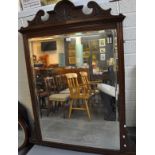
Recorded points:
(80,131)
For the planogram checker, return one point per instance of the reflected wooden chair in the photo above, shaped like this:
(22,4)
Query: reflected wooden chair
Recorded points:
(90,85)
(64,81)
(50,84)
(59,84)
(42,95)
(77,92)
(55,99)
(42,92)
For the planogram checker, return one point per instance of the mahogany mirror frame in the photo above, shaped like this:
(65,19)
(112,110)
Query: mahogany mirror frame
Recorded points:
(67,18)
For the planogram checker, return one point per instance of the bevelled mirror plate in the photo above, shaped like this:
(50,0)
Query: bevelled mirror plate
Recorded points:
(75,77)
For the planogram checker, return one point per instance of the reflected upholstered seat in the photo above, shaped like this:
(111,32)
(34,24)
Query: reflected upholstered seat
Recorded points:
(58,98)
(66,91)
(54,98)
(77,92)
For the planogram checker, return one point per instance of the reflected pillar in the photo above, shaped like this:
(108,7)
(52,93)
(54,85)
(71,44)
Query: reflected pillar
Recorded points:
(79,52)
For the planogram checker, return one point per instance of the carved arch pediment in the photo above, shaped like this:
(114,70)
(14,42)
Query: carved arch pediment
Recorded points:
(65,12)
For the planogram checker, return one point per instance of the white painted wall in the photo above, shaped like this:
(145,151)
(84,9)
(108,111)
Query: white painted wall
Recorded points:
(126,7)
(23,87)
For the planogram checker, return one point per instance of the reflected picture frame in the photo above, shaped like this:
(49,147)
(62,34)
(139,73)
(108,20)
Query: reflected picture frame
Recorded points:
(102,57)
(102,42)
(102,50)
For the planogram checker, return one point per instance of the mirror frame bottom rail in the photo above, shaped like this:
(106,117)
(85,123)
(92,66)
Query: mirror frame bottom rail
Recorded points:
(77,148)
(70,18)
(82,148)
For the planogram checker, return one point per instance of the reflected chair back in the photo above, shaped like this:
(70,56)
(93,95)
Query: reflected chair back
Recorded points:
(73,84)
(59,82)
(85,80)
(77,92)
(50,84)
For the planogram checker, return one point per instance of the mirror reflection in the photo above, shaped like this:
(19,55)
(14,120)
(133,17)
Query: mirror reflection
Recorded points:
(75,78)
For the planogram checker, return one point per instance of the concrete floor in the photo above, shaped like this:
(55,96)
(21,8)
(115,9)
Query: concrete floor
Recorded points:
(80,131)
(43,150)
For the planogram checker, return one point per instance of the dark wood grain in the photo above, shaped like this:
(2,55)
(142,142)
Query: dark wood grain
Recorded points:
(65,13)
(121,79)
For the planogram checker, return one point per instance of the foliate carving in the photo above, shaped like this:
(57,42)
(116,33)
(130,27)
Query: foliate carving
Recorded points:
(97,10)
(37,20)
(66,12)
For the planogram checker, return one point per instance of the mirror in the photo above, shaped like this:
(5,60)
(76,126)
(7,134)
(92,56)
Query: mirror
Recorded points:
(75,65)
(76,85)
(21,135)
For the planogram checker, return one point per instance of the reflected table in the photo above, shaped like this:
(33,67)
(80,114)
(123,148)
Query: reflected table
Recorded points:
(110,96)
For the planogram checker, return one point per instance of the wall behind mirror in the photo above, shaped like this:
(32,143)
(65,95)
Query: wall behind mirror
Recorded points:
(80,108)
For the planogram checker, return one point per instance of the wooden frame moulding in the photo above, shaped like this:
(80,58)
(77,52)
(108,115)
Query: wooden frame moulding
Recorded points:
(68,18)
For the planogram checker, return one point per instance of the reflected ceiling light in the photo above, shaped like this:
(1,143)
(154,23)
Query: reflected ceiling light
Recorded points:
(78,34)
(85,36)
(102,31)
(41,39)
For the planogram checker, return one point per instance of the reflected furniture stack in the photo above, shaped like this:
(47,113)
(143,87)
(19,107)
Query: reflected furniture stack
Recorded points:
(66,88)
